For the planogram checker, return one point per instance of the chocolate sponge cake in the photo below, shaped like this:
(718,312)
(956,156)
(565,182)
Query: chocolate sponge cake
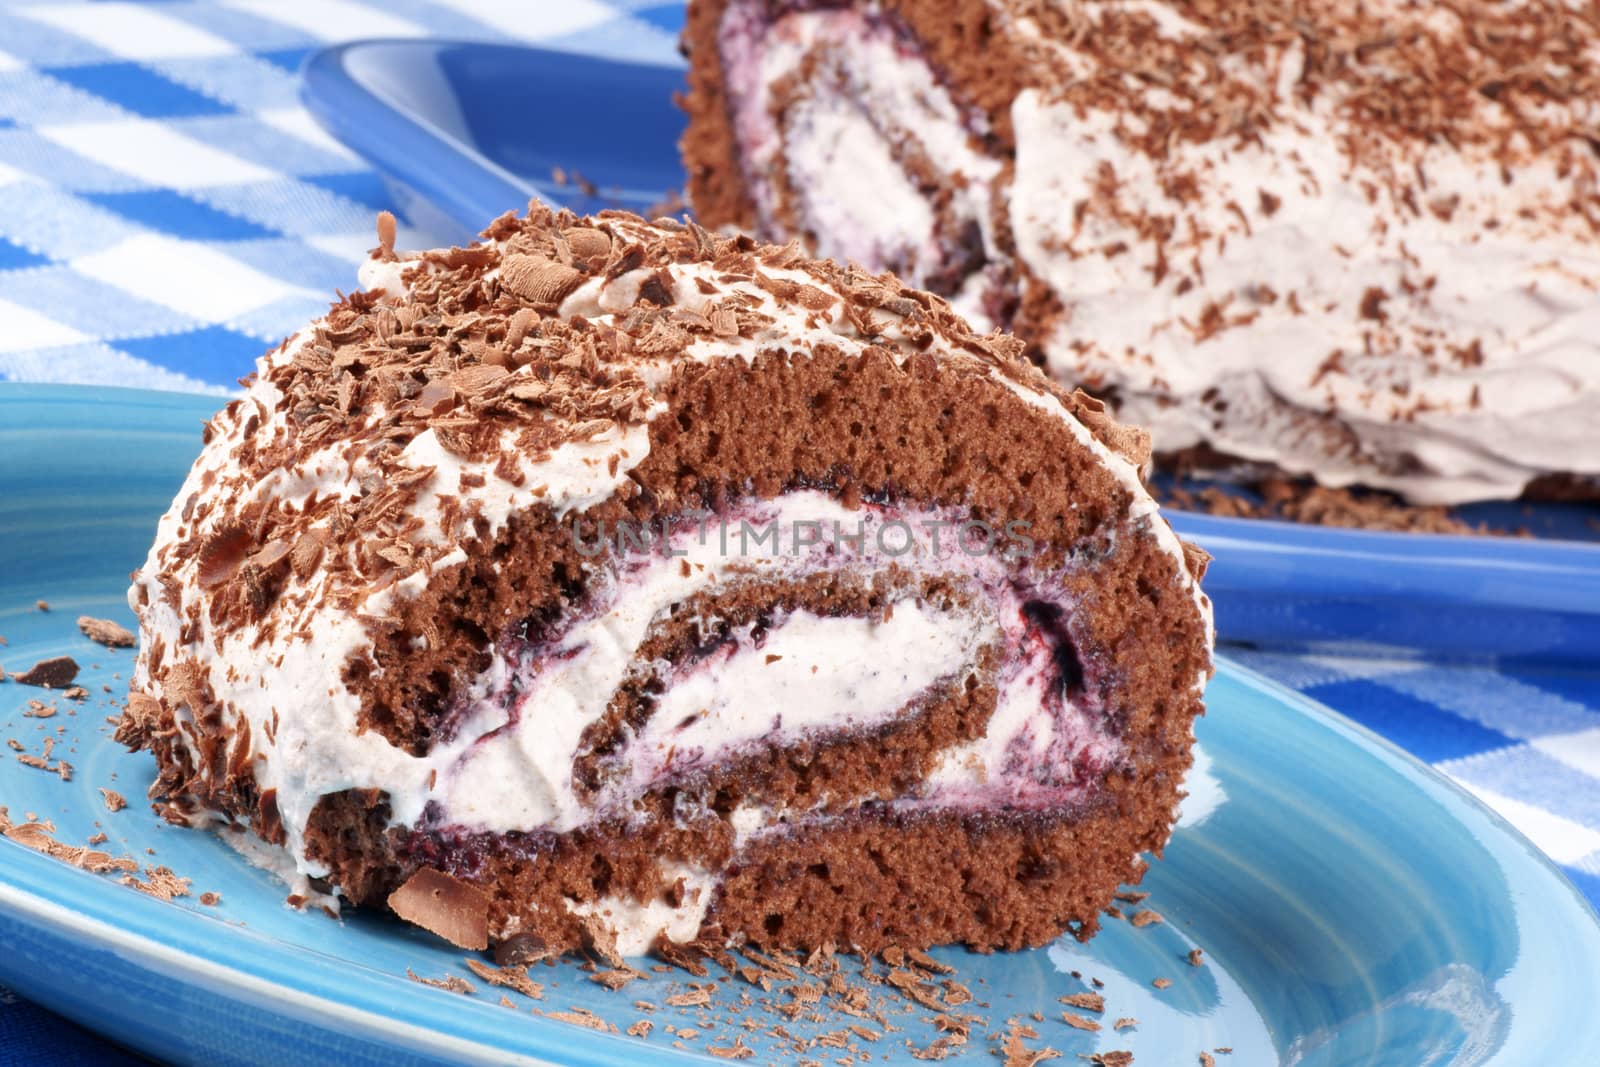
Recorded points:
(612,582)
(1358,242)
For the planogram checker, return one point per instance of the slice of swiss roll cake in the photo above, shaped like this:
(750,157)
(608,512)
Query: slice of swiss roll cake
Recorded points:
(611,582)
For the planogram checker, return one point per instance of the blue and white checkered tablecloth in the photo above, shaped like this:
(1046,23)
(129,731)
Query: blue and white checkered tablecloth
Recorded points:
(168,210)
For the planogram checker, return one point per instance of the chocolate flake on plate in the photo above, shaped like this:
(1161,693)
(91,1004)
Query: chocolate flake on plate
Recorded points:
(1019,1055)
(1116,1058)
(1086,1001)
(582,1017)
(513,977)
(450,983)
(1080,1022)
(106,632)
(737,1051)
(54,673)
(445,906)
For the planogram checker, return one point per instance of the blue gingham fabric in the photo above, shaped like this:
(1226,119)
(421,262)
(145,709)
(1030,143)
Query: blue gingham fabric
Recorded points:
(168,211)
(167,208)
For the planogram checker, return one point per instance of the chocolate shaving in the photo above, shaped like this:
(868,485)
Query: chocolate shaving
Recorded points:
(1086,1001)
(306,554)
(54,673)
(445,906)
(513,977)
(221,556)
(1196,559)
(386,234)
(449,983)
(106,632)
(582,1017)
(538,281)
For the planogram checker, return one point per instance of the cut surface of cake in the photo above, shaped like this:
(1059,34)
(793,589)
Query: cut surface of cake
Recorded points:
(612,583)
(1359,242)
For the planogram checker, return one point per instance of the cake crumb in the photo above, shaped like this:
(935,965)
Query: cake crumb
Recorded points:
(616,978)
(737,1051)
(61,768)
(1019,1055)
(940,1047)
(39,836)
(450,983)
(1087,1001)
(514,978)
(42,605)
(696,997)
(158,882)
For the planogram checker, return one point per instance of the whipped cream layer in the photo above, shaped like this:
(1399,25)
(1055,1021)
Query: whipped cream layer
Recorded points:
(1316,293)
(278,685)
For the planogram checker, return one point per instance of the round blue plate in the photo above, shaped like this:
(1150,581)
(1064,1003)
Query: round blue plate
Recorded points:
(1352,906)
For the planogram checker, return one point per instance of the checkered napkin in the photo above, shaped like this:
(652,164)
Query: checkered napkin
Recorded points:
(1525,741)
(168,210)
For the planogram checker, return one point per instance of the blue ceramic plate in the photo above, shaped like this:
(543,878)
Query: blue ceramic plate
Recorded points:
(1352,906)
(464,132)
